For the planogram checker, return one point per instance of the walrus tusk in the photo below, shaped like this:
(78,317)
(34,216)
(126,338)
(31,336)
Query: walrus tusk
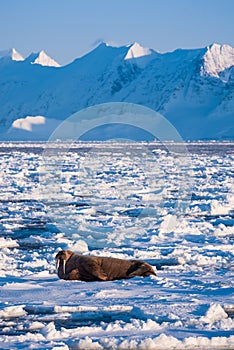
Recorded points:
(57,263)
(64,267)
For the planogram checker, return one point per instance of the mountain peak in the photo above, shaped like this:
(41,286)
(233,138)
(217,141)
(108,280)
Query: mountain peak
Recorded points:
(214,46)
(217,58)
(42,59)
(13,54)
(140,55)
(136,51)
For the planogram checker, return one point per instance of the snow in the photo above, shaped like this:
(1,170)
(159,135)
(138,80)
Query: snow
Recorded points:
(188,305)
(214,313)
(224,208)
(42,59)
(191,88)
(13,54)
(38,127)
(218,58)
(7,243)
(12,312)
(136,51)
(140,55)
(28,122)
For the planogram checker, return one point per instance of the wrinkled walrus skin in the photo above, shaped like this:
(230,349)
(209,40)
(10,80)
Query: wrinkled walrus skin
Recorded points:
(73,266)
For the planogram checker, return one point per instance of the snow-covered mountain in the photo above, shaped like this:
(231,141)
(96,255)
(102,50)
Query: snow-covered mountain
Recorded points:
(193,88)
(40,58)
(140,55)
(12,54)
(43,59)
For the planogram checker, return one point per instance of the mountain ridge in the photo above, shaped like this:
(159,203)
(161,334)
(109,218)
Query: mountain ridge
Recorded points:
(192,88)
(40,57)
(12,53)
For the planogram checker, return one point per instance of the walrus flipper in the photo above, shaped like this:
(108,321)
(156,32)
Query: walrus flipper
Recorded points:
(140,268)
(73,275)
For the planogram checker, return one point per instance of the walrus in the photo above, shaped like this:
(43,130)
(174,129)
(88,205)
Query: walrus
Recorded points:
(73,266)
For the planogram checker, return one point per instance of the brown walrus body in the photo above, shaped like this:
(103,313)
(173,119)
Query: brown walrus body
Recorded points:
(73,266)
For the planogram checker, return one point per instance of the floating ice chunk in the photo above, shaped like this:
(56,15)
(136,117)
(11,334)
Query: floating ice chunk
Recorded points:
(201,260)
(227,324)
(214,313)
(62,347)
(223,230)
(221,342)
(169,342)
(8,243)
(196,342)
(50,332)
(13,311)
(80,246)
(128,344)
(150,325)
(160,342)
(218,208)
(87,343)
(35,326)
(80,308)
(77,308)
(21,286)
(168,224)
(77,245)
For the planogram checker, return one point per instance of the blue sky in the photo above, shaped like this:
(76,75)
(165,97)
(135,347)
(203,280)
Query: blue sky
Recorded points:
(67,29)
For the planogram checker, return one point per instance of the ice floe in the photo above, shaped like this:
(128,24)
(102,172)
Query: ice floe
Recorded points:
(111,205)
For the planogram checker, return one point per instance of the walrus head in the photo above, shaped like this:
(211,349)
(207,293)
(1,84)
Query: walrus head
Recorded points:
(62,258)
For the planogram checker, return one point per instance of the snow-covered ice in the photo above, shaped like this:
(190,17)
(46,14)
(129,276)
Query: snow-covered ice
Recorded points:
(122,201)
